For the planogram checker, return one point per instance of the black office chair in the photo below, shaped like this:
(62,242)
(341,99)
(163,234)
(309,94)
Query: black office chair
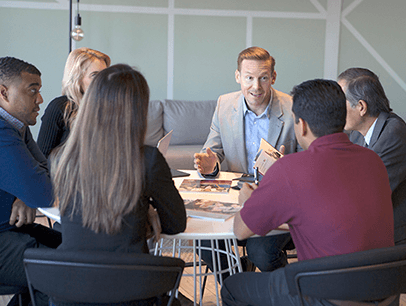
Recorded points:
(371,275)
(100,277)
(13,290)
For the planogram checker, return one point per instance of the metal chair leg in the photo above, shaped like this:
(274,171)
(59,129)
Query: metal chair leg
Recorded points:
(204,280)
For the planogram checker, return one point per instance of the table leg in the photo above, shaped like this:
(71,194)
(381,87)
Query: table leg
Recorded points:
(216,268)
(233,260)
(237,254)
(200,274)
(230,261)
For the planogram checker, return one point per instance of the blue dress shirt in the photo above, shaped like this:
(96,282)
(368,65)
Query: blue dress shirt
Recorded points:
(255,128)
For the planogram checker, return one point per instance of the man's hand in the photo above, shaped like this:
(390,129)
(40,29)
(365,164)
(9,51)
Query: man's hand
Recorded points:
(282,149)
(21,214)
(246,192)
(205,162)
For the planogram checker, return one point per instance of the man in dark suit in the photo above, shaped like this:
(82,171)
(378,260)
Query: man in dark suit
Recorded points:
(373,124)
(24,180)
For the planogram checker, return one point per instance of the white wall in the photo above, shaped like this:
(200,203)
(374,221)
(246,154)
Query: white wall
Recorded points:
(187,49)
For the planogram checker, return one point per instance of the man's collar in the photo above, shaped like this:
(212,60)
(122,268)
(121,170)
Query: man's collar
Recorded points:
(370,132)
(329,139)
(12,120)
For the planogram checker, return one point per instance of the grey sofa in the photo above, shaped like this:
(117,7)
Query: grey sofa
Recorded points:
(190,122)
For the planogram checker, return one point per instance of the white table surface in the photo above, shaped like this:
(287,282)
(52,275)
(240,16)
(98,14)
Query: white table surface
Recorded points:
(197,228)
(216,229)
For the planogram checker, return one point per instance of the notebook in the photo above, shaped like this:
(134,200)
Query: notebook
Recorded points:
(163,145)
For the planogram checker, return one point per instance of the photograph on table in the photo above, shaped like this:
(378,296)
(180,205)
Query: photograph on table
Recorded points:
(211,210)
(216,186)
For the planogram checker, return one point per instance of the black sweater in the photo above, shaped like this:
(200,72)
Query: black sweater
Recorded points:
(159,186)
(54,130)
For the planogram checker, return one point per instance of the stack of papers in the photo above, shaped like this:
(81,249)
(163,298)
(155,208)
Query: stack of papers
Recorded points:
(211,210)
(266,156)
(196,185)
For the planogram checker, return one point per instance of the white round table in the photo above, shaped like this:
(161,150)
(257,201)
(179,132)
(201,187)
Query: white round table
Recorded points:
(200,229)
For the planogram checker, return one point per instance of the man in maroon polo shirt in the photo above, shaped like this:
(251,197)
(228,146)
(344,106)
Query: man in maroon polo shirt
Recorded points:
(335,196)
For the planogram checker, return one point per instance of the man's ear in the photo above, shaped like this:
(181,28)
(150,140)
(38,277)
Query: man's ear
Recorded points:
(363,107)
(273,77)
(3,93)
(237,76)
(303,128)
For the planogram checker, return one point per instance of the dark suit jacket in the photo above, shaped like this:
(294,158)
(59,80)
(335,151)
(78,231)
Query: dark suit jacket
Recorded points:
(23,172)
(389,142)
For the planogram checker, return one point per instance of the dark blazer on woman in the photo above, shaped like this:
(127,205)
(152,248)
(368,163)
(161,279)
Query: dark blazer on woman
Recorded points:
(132,238)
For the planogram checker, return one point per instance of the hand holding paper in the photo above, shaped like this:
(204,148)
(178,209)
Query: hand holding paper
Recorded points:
(266,156)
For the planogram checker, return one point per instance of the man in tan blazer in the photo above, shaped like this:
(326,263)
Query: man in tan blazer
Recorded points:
(242,118)
(239,122)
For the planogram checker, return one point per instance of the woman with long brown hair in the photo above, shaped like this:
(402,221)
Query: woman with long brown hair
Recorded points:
(104,176)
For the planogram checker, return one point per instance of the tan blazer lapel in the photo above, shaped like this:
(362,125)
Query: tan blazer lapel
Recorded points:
(238,129)
(275,124)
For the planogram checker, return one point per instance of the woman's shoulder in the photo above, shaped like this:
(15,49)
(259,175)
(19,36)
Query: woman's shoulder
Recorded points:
(154,160)
(151,154)
(150,149)
(57,104)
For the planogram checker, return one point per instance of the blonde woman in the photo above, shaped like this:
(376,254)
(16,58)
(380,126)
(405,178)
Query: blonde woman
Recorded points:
(81,67)
(105,177)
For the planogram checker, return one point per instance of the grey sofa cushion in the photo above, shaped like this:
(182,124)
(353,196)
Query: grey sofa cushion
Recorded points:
(155,129)
(189,120)
(182,157)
